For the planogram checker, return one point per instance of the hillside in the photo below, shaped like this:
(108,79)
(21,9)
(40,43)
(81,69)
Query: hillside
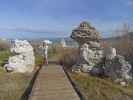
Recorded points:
(113,40)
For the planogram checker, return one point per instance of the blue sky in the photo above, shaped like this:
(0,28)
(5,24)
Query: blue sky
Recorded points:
(57,18)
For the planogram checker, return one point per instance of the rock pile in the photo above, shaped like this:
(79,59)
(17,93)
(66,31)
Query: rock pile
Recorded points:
(117,68)
(97,60)
(24,59)
(90,49)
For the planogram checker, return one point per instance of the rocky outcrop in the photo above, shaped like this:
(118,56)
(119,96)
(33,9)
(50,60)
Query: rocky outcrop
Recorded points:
(89,42)
(23,59)
(85,33)
(117,68)
(97,60)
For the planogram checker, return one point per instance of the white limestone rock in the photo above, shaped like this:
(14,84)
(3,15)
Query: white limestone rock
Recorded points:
(76,68)
(24,59)
(94,44)
(105,62)
(118,69)
(90,56)
(85,68)
(90,47)
(110,53)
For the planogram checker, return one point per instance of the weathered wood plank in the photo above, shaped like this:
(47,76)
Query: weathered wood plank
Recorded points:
(52,84)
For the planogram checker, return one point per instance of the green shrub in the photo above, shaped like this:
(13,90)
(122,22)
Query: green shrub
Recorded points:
(4,55)
(38,60)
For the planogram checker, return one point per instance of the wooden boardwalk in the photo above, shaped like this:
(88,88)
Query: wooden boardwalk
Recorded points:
(52,84)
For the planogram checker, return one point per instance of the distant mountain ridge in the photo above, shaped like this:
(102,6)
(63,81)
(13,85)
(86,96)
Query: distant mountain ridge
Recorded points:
(117,38)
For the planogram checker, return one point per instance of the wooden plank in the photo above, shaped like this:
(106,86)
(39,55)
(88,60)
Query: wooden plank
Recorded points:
(52,84)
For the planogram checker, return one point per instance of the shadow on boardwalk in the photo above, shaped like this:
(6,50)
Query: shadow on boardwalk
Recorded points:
(27,92)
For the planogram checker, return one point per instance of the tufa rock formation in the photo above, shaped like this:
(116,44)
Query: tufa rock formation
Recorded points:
(84,33)
(90,49)
(23,60)
(97,60)
(117,68)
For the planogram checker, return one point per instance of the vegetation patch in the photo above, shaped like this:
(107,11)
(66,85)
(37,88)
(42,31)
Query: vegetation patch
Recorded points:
(68,57)
(13,85)
(4,55)
(94,88)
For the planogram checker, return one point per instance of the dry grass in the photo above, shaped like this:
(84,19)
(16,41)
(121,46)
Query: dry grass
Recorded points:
(38,60)
(94,88)
(124,43)
(13,85)
(4,56)
(68,57)
(125,47)
(4,45)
